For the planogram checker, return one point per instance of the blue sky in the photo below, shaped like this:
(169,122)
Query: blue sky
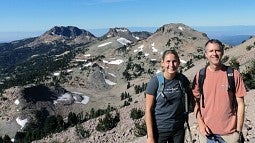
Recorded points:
(41,15)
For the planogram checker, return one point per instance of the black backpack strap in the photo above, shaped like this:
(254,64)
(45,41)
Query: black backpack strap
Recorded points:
(231,86)
(201,79)
(183,85)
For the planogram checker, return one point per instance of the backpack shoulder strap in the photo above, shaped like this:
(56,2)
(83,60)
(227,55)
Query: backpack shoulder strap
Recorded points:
(183,79)
(231,80)
(161,84)
(201,79)
(189,101)
(183,82)
(231,85)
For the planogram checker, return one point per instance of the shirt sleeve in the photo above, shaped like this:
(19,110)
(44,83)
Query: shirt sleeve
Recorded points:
(239,83)
(152,86)
(195,87)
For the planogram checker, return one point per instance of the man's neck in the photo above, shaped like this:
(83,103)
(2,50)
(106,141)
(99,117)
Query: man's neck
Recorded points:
(214,67)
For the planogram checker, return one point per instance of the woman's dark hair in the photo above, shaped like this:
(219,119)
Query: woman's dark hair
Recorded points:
(166,52)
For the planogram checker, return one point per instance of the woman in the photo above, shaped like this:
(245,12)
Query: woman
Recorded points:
(164,113)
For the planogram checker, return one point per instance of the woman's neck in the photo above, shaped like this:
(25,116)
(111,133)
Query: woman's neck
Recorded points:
(169,76)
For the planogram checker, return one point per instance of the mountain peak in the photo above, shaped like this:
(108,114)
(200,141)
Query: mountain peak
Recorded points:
(120,32)
(174,26)
(117,32)
(68,31)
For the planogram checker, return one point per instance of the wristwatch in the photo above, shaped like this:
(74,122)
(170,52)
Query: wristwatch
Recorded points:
(239,132)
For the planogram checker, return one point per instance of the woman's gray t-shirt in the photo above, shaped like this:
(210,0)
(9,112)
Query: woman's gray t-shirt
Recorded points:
(169,111)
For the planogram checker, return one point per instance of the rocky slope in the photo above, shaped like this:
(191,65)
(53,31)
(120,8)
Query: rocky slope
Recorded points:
(124,132)
(103,68)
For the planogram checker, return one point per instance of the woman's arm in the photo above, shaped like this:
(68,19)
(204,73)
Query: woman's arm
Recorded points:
(149,104)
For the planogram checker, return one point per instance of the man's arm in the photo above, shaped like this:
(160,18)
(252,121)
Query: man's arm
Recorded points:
(204,130)
(240,113)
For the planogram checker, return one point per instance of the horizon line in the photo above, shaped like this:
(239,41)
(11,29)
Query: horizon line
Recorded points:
(126,27)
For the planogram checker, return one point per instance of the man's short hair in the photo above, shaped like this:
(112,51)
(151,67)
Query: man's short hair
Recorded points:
(215,41)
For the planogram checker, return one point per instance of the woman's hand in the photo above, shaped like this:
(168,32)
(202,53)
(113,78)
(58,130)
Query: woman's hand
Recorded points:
(150,140)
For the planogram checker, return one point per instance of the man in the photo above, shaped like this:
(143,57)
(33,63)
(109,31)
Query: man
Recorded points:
(217,119)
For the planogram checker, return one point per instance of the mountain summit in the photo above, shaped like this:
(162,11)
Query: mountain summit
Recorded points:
(68,32)
(120,32)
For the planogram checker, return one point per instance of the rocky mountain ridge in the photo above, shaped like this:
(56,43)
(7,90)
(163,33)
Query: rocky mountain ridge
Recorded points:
(69,31)
(103,69)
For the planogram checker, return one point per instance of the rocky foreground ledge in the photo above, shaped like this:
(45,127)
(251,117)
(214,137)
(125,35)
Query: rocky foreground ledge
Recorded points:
(124,132)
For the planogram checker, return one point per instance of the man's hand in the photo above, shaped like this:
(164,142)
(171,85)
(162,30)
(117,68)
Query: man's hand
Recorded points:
(241,138)
(204,130)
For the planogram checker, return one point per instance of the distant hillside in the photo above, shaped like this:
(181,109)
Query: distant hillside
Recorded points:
(231,35)
(233,40)
(101,31)
(225,33)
